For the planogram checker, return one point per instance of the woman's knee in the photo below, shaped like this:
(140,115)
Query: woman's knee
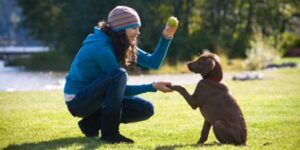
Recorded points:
(148,109)
(118,74)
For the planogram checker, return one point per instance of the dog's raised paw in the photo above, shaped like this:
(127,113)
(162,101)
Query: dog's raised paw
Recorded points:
(176,87)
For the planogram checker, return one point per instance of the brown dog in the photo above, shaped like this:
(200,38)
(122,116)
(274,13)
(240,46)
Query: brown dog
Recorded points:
(216,104)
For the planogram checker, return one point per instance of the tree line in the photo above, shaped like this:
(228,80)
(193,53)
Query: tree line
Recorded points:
(222,26)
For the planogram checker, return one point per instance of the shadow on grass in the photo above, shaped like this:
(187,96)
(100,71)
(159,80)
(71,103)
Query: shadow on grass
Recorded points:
(171,147)
(82,142)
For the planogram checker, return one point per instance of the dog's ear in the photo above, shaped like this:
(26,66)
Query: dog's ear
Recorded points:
(207,66)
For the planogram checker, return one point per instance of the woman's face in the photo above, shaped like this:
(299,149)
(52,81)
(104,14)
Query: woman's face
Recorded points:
(132,34)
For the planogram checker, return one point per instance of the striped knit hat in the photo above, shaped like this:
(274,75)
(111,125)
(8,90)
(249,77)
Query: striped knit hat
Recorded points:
(123,17)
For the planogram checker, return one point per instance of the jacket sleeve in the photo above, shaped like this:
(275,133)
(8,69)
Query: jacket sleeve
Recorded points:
(138,89)
(155,59)
(107,60)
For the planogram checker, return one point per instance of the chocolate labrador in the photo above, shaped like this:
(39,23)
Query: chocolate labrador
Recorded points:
(218,107)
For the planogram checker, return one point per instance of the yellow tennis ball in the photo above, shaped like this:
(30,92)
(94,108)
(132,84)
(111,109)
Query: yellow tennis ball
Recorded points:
(172,22)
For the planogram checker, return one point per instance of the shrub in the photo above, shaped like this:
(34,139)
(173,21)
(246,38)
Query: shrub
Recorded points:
(261,52)
(47,61)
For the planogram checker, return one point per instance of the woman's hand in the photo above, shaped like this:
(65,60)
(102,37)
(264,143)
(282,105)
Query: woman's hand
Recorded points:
(162,86)
(169,31)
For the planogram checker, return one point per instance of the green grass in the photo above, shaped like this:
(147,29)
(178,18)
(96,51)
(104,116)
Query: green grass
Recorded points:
(40,120)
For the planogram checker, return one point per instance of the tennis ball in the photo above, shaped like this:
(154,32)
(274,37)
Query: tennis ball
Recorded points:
(172,22)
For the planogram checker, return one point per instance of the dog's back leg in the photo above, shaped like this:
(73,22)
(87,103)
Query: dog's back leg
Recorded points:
(244,136)
(228,134)
(221,132)
(204,132)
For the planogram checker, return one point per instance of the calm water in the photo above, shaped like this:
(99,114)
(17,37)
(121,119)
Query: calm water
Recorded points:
(13,78)
(18,79)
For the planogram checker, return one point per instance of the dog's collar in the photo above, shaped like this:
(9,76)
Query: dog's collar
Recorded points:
(214,78)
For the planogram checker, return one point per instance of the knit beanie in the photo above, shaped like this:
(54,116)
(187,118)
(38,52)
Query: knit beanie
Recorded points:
(123,17)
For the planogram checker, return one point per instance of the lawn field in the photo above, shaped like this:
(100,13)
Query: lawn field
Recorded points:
(40,120)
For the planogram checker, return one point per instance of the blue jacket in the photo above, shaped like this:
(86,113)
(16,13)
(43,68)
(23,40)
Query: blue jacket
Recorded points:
(96,57)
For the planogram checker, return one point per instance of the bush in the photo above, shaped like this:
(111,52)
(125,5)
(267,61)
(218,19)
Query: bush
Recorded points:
(261,53)
(287,41)
(48,61)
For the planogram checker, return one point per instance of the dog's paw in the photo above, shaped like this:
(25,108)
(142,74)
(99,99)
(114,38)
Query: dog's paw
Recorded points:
(176,87)
(201,141)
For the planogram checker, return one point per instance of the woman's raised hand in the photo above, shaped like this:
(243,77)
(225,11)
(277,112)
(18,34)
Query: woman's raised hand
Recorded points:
(171,27)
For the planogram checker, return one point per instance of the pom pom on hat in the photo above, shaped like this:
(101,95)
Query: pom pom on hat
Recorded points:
(123,17)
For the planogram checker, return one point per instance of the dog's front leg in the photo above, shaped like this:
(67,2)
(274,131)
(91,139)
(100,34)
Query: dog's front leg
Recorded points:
(185,94)
(204,132)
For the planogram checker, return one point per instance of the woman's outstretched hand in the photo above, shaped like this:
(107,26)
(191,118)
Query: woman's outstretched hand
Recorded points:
(169,31)
(162,86)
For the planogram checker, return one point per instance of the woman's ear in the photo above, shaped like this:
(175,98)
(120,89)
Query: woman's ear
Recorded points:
(207,66)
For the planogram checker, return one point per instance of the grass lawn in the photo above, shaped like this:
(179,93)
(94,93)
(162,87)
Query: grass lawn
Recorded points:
(40,120)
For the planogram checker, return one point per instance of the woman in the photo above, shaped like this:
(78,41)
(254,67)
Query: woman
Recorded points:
(96,88)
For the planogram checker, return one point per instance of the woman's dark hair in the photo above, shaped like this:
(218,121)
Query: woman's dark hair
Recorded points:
(124,51)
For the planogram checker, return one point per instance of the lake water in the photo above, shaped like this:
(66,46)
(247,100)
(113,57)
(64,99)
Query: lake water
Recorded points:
(18,79)
(13,78)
